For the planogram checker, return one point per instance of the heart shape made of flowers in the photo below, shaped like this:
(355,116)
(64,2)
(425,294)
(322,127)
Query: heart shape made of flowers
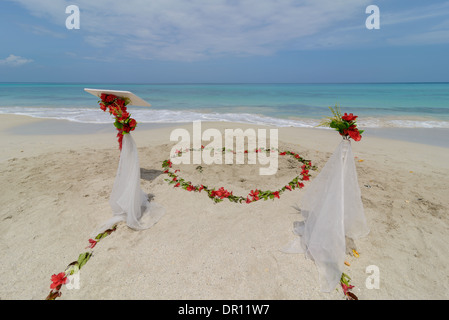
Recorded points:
(219,194)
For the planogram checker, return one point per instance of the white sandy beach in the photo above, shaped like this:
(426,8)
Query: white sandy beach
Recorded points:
(56,186)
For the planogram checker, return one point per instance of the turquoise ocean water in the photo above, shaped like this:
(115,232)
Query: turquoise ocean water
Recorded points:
(393,105)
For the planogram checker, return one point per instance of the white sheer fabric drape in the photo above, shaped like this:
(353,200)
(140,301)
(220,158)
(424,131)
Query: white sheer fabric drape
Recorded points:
(332,210)
(128,202)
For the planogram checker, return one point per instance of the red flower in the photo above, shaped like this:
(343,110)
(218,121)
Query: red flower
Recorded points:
(354,133)
(220,193)
(247,200)
(190,188)
(200,188)
(282,153)
(93,243)
(349,117)
(58,280)
(276,194)
(121,103)
(126,128)
(346,288)
(110,98)
(288,187)
(120,139)
(124,116)
(254,194)
(300,184)
(114,111)
(177,185)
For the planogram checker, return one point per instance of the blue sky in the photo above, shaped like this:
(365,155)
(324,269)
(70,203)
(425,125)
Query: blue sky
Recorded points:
(224,41)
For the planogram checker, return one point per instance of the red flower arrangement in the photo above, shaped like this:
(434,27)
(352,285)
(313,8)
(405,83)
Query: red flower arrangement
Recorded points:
(255,195)
(58,280)
(117,107)
(344,124)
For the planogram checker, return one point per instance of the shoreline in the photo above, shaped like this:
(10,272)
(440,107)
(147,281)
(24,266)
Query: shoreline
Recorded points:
(438,137)
(56,189)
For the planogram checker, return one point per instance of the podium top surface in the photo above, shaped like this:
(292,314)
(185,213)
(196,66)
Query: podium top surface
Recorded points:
(134,100)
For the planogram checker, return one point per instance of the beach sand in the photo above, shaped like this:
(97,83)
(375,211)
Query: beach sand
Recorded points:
(56,180)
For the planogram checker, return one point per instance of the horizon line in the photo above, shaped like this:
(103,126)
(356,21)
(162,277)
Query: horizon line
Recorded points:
(221,83)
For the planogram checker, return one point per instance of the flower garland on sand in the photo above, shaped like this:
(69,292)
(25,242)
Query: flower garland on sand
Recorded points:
(57,280)
(344,124)
(218,195)
(117,107)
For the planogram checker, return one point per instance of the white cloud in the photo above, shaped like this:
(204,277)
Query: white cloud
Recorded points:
(424,38)
(415,14)
(426,25)
(14,61)
(191,30)
(42,31)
